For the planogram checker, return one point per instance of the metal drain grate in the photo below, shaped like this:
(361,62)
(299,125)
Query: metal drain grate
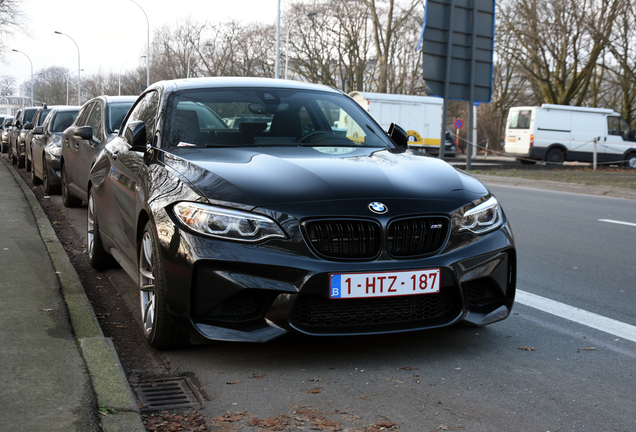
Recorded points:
(171,393)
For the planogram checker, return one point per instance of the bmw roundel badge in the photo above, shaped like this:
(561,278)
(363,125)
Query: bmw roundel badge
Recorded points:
(378,207)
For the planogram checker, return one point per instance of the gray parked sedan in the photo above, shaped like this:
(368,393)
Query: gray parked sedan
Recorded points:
(46,147)
(96,124)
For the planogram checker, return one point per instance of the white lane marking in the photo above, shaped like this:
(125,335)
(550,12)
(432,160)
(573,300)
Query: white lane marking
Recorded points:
(589,319)
(617,222)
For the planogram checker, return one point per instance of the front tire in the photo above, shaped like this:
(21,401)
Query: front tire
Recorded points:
(159,330)
(98,258)
(68,199)
(630,160)
(21,161)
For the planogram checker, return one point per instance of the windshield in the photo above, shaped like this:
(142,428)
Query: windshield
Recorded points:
(238,117)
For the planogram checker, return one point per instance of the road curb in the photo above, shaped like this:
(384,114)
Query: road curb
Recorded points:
(118,405)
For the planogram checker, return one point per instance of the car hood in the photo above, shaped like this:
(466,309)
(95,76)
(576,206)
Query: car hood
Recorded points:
(275,176)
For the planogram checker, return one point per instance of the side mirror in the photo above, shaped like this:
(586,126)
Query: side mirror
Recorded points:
(83,132)
(38,130)
(135,135)
(28,126)
(398,135)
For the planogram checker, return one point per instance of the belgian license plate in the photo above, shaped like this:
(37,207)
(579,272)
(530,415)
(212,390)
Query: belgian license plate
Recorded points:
(386,284)
(512,139)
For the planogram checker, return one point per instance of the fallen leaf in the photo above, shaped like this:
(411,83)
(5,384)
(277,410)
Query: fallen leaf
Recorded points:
(46,310)
(233,382)
(405,368)
(314,390)
(257,376)
(315,379)
(526,349)
(586,349)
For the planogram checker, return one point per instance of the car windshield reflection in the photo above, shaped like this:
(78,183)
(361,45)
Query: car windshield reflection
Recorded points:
(269,117)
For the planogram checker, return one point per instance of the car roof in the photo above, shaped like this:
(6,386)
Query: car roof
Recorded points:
(247,82)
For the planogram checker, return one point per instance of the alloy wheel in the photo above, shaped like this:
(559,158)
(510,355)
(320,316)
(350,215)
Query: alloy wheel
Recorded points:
(147,294)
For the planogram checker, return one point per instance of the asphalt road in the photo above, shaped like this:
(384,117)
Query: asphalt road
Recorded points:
(560,365)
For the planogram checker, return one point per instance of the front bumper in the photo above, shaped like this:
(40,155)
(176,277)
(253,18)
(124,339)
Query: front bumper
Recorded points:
(236,292)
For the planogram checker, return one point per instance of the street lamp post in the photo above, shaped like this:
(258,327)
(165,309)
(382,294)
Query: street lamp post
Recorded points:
(278,43)
(311,14)
(31,73)
(79,80)
(68,76)
(122,67)
(190,57)
(148,47)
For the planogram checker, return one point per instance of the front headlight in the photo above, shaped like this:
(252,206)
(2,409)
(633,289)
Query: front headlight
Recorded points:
(53,149)
(479,219)
(227,224)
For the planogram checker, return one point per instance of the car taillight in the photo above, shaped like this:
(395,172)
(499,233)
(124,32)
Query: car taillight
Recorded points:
(506,138)
(531,140)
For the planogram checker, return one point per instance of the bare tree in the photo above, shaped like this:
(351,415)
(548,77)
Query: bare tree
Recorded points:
(558,42)
(622,75)
(172,47)
(11,18)
(239,49)
(7,85)
(51,86)
(385,24)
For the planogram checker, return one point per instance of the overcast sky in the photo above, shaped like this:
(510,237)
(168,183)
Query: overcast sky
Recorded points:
(110,33)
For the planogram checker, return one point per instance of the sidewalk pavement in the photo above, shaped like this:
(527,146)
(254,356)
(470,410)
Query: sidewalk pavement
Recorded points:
(58,371)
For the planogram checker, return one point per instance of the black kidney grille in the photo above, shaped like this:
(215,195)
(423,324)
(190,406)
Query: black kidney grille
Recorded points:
(344,239)
(323,314)
(417,236)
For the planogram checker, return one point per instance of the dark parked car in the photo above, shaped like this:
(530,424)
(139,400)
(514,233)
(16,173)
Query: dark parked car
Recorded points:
(4,132)
(46,147)
(242,234)
(21,125)
(38,120)
(95,125)
(10,132)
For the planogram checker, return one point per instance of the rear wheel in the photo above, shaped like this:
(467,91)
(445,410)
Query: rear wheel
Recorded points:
(555,156)
(21,161)
(68,199)
(34,178)
(97,256)
(159,330)
(49,189)
(630,160)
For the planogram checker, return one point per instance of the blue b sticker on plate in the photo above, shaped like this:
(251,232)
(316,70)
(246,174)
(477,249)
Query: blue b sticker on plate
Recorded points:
(336,292)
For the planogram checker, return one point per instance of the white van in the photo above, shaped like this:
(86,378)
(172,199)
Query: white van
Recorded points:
(557,133)
(420,116)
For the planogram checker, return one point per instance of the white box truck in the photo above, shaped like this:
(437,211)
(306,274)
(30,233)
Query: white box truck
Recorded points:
(420,116)
(557,133)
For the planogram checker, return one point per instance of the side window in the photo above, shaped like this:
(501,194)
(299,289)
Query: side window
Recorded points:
(145,110)
(613,126)
(82,117)
(95,121)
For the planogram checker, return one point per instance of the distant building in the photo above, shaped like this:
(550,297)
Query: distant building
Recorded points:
(9,105)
